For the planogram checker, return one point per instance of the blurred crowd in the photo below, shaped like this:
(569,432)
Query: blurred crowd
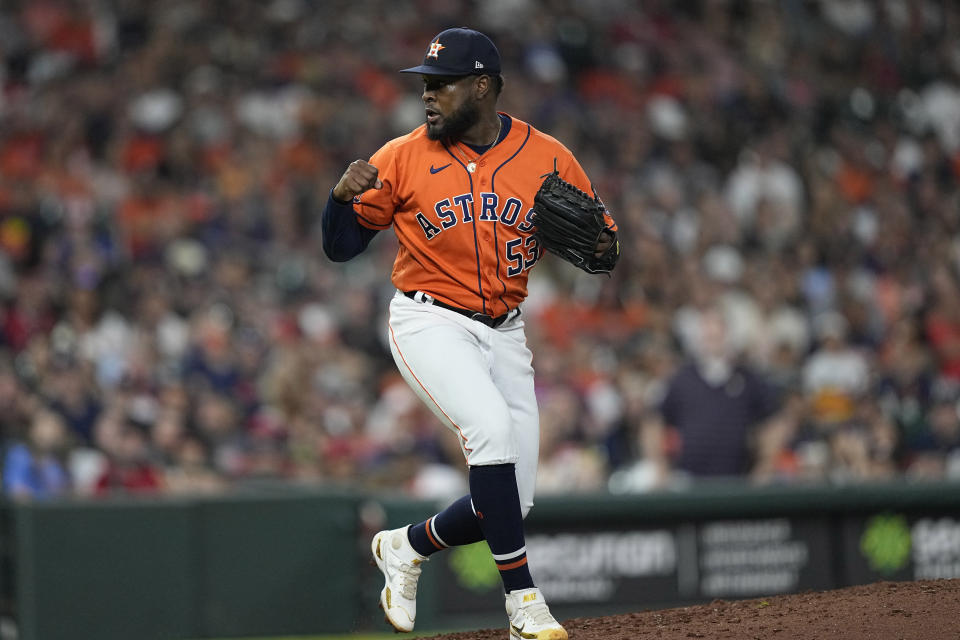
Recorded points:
(784,174)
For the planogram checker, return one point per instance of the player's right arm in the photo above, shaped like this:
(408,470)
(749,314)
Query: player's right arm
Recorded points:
(343,235)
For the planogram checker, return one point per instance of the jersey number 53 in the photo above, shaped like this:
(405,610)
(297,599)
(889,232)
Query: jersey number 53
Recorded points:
(522,253)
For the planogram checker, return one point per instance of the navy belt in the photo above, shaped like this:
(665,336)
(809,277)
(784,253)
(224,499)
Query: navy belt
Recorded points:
(482,318)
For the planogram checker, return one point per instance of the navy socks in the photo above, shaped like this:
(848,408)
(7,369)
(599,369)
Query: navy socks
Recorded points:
(498,520)
(494,492)
(454,526)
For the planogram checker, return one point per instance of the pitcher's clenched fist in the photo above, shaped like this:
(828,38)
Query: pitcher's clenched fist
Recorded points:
(360,176)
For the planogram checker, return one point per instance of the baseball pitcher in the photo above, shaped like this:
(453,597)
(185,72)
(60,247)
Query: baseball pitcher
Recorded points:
(474,196)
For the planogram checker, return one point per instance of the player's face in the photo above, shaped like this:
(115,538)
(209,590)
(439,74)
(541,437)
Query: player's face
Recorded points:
(451,109)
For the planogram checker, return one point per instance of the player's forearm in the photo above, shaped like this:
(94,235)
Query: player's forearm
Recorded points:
(343,236)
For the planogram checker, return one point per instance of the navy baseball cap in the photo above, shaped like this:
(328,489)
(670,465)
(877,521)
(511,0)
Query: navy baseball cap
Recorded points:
(459,52)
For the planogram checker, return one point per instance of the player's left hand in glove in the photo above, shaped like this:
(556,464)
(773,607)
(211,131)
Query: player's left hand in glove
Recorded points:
(571,224)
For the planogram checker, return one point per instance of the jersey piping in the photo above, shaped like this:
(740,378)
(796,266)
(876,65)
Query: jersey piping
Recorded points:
(493,187)
(473,222)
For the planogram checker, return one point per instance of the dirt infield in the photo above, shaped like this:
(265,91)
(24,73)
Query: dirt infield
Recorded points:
(921,610)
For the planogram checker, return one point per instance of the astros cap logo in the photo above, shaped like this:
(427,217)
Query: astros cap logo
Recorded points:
(435,49)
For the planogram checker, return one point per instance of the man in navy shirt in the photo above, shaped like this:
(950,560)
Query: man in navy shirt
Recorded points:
(712,404)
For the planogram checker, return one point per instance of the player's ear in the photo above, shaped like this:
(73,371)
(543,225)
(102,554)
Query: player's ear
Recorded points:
(482,87)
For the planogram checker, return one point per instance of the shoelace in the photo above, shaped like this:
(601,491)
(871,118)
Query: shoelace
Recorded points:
(539,613)
(410,573)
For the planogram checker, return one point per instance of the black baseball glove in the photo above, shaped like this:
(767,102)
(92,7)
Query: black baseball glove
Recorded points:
(569,223)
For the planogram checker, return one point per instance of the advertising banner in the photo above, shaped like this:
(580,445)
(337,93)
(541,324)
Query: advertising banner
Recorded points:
(671,564)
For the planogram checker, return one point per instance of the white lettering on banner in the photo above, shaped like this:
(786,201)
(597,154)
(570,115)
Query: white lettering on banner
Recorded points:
(575,590)
(631,554)
(751,582)
(745,531)
(741,557)
(936,548)
(597,560)
(937,571)
(794,553)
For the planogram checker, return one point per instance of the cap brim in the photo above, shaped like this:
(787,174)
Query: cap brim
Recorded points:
(433,70)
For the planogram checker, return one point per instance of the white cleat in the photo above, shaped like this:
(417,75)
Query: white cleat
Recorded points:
(400,564)
(530,618)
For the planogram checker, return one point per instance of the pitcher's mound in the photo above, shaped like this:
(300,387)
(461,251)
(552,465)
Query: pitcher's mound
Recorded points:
(921,610)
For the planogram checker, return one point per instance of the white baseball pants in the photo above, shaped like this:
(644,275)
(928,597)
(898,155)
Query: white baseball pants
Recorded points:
(477,380)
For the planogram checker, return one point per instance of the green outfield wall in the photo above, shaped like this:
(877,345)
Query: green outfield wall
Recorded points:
(288,561)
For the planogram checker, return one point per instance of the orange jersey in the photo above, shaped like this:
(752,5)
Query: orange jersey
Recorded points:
(465,238)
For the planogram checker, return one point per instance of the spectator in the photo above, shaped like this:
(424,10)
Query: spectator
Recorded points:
(943,323)
(34,469)
(569,463)
(75,399)
(190,471)
(863,448)
(128,468)
(835,377)
(711,407)
(935,453)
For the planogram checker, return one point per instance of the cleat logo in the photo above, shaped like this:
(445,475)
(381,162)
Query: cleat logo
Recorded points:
(435,50)
(380,557)
(530,597)
(518,631)
(388,598)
